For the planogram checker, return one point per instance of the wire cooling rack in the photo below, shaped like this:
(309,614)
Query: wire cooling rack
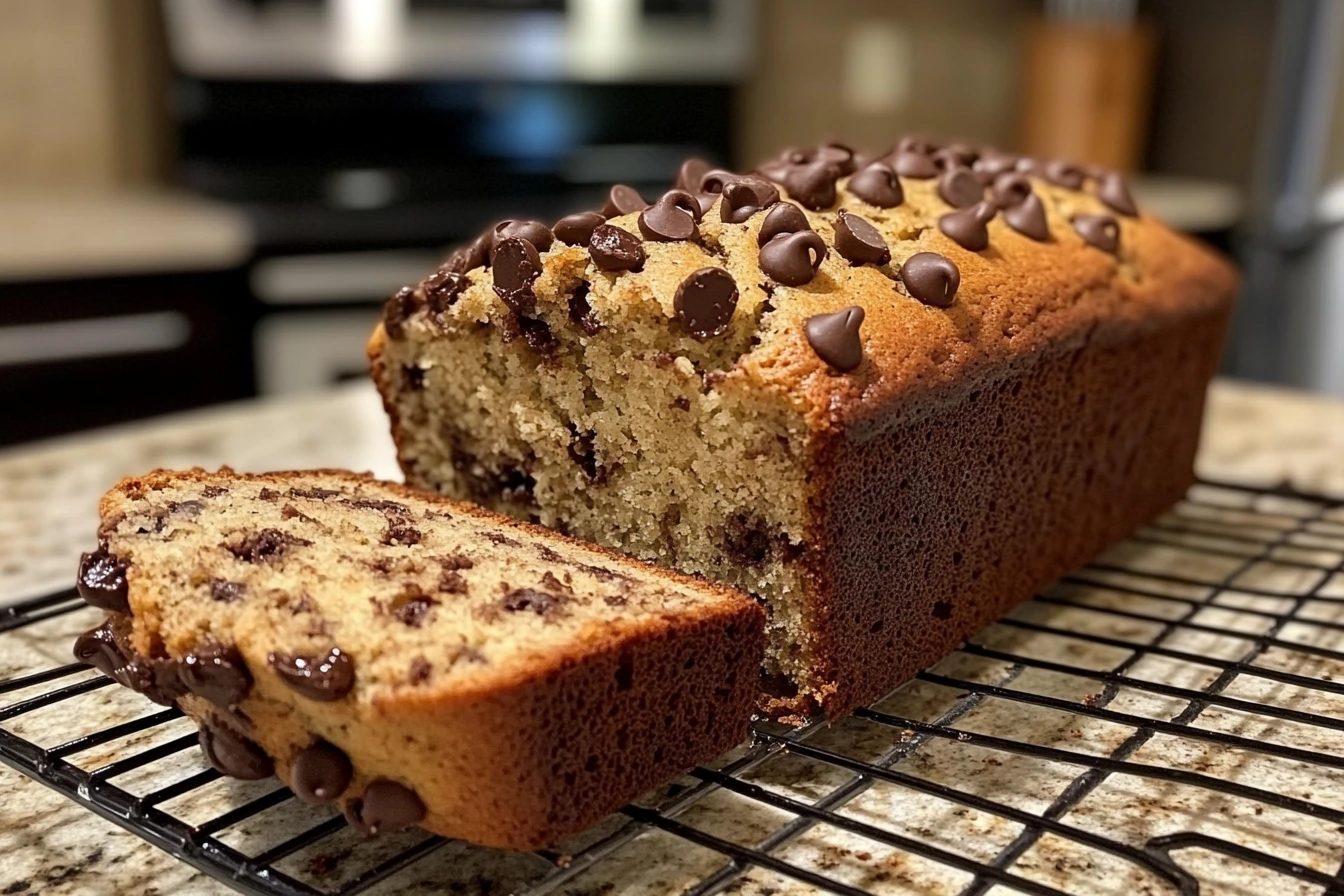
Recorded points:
(1166,720)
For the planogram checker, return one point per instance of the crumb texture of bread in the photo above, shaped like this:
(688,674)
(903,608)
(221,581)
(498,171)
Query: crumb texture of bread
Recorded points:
(417,659)
(1008,323)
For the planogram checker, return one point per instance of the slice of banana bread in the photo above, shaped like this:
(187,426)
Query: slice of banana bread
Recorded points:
(891,394)
(419,660)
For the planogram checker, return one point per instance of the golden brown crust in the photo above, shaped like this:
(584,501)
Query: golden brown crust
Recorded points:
(516,755)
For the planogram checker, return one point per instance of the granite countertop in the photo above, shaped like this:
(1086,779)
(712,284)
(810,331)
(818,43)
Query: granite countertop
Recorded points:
(52,846)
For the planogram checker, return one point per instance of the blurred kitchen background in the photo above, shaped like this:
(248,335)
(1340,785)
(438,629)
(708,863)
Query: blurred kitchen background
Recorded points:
(206,200)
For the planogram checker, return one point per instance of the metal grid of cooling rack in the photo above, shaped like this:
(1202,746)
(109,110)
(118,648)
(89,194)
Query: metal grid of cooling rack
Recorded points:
(1166,720)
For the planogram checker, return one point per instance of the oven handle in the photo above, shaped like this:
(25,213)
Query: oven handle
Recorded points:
(101,337)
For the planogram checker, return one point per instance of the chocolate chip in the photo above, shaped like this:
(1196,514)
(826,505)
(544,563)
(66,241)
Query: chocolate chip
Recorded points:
(102,581)
(517,266)
(792,259)
(99,648)
(858,242)
(535,232)
(949,159)
(714,181)
(420,670)
(442,289)
(537,334)
(320,773)
(1099,231)
(914,164)
(264,546)
(385,806)
(960,188)
(1028,218)
(812,184)
(379,505)
(705,301)
(706,202)
(451,582)
(473,255)
(992,163)
(216,673)
(324,678)
(672,218)
(542,603)
(397,309)
(412,609)
(1063,174)
(746,196)
(577,229)
(837,154)
(227,592)
(1113,191)
(690,174)
(582,313)
(835,337)
(234,755)
(157,680)
(931,278)
(783,218)
(315,494)
(583,451)
(877,185)
(1011,188)
(967,227)
(614,249)
(623,200)
(214,491)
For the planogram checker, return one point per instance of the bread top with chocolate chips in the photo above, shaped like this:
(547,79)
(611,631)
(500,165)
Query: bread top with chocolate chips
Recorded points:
(843,282)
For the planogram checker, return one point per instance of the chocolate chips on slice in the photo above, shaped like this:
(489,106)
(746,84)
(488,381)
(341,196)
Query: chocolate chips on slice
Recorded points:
(216,673)
(234,755)
(672,218)
(1028,218)
(517,265)
(931,278)
(622,200)
(1063,174)
(535,232)
(581,313)
(835,337)
(691,172)
(1113,191)
(812,184)
(705,302)
(792,259)
(532,600)
(99,648)
(325,678)
(859,242)
(264,545)
(577,229)
(1099,231)
(783,218)
(877,185)
(442,289)
(1011,188)
(614,249)
(744,197)
(384,806)
(102,581)
(914,164)
(397,309)
(320,773)
(959,188)
(968,227)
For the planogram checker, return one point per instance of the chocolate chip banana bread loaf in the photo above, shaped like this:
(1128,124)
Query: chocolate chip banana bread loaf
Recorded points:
(889,394)
(417,660)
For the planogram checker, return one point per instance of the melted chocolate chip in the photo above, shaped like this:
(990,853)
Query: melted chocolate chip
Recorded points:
(1011,188)
(746,196)
(835,337)
(614,249)
(877,185)
(1063,174)
(385,806)
(582,313)
(537,334)
(622,200)
(99,648)
(690,174)
(542,603)
(931,278)
(233,755)
(517,265)
(1028,218)
(960,188)
(914,164)
(792,259)
(227,592)
(535,232)
(577,229)
(320,773)
(1113,191)
(471,256)
(397,309)
(412,610)
(783,218)
(324,678)
(672,218)
(102,581)
(1099,231)
(705,301)
(264,546)
(216,673)
(157,680)
(442,289)
(968,226)
(859,242)
(812,184)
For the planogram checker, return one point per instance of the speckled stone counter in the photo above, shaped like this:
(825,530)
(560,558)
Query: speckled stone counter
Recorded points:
(51,846)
